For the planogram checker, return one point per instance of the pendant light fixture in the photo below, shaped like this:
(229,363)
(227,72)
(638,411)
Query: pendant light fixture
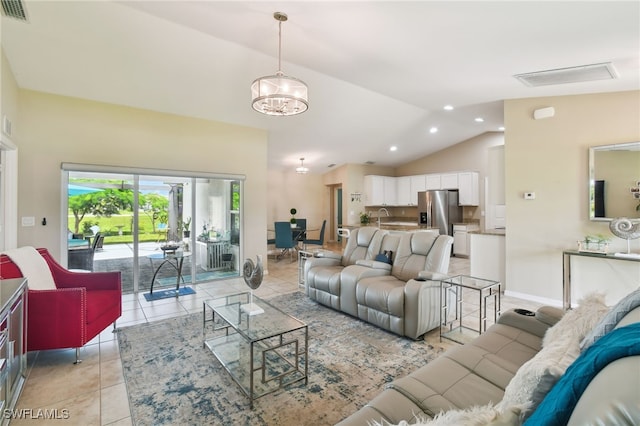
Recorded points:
(302,169)
(279,94)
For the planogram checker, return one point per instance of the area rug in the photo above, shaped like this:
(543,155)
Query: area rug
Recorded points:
(165,294)
(172,379)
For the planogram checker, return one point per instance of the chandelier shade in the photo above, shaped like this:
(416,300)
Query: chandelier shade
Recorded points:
(279,94)
(302,169)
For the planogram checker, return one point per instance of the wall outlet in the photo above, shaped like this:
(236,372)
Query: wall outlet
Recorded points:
(529,195)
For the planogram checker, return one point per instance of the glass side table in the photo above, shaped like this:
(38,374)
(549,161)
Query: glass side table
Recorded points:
(452,291)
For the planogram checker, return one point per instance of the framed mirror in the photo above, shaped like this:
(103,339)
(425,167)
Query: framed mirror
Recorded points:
(614,181)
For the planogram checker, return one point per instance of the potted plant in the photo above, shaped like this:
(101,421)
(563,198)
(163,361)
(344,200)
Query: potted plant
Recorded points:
(185,227)
(364,218)
(292,221)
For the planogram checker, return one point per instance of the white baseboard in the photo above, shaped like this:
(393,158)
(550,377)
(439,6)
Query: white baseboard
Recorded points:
(537,299)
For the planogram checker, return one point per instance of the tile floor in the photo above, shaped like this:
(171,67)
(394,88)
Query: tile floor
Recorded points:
(94,392)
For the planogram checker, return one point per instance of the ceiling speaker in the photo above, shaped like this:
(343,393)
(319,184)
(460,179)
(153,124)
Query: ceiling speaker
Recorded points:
(544,113)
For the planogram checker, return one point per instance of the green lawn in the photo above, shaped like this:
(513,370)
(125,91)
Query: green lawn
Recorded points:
(111,227)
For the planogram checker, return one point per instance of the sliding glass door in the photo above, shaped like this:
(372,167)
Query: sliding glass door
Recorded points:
(164,230)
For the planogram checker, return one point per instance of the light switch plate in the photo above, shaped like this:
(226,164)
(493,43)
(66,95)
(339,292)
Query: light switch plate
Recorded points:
(28,221)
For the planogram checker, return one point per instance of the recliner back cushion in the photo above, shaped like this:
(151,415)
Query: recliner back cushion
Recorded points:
(412,254)
(364,243)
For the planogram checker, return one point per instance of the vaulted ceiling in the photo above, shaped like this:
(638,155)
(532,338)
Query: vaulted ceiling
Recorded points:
(379,72)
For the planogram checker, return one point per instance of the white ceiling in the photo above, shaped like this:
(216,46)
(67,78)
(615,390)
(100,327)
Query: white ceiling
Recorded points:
(379,73)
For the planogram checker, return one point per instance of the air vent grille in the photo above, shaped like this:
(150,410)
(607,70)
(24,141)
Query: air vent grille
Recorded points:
(14,9)
(603,71)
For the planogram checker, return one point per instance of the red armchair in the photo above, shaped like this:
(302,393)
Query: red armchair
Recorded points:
(81,306)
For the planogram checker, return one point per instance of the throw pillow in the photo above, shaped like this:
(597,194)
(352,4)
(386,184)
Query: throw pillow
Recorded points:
(611,319)
(560,347)
(385,256)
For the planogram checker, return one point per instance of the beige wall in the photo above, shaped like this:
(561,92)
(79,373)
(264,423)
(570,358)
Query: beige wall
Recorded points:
(55,129)
(550,157)
(306,192)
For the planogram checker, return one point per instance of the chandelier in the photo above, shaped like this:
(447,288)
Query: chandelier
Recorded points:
(279,94)
(302,169)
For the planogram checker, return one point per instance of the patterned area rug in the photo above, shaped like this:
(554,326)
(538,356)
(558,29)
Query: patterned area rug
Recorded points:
(172,379)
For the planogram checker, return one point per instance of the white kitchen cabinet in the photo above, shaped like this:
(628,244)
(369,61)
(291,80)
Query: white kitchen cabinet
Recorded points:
(432,182)
(379,190)
(462,239)
(449,181)
(403,191)
(469,189)
(418,184)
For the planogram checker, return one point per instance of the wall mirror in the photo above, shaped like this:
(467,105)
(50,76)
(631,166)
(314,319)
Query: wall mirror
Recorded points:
(614,181)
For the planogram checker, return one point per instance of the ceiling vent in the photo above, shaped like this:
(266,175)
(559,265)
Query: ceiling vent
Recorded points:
(604,71)
(14,9)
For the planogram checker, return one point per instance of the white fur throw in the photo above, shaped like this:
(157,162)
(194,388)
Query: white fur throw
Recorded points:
(560,347)
(485,415)
(33,267)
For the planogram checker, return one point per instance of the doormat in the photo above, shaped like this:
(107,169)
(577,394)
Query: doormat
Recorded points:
(164,294)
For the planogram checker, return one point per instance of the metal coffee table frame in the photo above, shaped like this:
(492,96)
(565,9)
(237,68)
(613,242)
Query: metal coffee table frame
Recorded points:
(274,346)
(486,289)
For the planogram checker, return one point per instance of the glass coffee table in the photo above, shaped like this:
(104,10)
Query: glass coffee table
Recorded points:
(262,352)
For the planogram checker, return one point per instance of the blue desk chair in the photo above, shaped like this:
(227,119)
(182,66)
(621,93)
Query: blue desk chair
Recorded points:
(284,239)
(319,241)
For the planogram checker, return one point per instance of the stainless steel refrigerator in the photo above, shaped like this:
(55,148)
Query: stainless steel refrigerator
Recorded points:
(439,209)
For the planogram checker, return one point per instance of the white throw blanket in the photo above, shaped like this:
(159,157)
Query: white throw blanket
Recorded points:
(33,267)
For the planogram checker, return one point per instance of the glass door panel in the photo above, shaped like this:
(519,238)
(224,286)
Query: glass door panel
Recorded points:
(101,219)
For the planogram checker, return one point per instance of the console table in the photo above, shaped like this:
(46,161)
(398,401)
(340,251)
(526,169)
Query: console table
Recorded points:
(566,269)
(13,347)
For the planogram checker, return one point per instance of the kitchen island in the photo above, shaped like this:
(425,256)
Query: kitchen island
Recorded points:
(487,255)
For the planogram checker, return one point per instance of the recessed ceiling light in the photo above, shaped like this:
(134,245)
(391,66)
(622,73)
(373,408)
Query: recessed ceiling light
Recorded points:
(479,120)
(448,107)
(433,130)
(393,148)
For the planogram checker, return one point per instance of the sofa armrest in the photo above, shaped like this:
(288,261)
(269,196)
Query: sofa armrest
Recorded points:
(374,264)
(434,276)
(88,280)
(421,307)
(526,322)
(328,255)
(56,318)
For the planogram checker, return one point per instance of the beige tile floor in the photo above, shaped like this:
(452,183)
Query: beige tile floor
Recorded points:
(94,393)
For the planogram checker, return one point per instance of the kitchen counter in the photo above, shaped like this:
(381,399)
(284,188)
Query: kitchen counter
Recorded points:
(499,232)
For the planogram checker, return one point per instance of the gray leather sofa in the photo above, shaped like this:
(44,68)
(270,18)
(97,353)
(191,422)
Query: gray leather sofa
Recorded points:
(402,297)
(478,373)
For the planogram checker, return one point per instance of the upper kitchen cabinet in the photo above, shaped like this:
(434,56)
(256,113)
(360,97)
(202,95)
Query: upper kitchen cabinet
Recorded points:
(380,190)
(407,188)
(468,189)
(449,181)
(432,182)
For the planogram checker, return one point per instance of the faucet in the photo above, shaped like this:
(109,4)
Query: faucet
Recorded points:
(380,210)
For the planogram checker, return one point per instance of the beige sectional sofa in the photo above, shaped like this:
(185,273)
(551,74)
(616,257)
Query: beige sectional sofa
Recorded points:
(402,296)
(502,375)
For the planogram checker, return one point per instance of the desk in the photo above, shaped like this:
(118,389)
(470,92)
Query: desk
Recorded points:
(566,269)
(175,260)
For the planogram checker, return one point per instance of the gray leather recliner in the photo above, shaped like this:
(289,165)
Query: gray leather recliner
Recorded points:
(407,300)
(322,273)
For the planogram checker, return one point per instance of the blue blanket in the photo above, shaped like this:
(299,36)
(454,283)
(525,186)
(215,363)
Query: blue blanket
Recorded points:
(557,406)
